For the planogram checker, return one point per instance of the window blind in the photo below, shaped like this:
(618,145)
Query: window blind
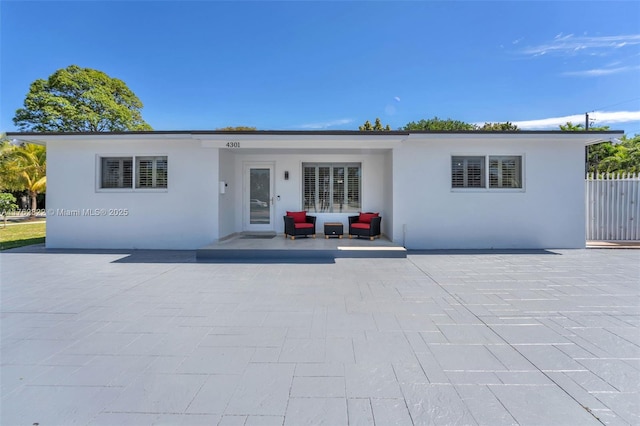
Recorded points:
(151,172)
(331,187)
(353,188)
(309,188)
(467,172)
(144,173)
(117,172)
(505,172)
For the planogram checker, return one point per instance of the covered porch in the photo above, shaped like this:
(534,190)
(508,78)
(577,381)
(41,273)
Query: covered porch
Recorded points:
(264,175)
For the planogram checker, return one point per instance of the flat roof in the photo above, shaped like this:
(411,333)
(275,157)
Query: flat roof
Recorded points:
(313,132)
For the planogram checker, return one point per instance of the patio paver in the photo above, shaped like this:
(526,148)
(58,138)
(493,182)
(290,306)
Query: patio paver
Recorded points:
(116,337)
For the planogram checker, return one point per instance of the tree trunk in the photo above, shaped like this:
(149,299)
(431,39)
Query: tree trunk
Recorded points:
(34,204)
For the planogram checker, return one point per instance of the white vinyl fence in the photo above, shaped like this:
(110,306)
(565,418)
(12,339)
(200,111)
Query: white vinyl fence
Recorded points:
(613,207)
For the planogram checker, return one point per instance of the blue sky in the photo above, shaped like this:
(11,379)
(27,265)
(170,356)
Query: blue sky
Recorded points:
(332,65)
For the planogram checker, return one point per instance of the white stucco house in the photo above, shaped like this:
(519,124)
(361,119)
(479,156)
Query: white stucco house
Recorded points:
(187,189)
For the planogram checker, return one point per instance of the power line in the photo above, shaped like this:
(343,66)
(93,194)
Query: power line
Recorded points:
(616,104)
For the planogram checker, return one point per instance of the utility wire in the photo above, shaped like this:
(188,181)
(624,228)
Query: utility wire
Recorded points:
(616,104)
(591,119)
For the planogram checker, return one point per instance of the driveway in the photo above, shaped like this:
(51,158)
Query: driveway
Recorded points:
(440,338)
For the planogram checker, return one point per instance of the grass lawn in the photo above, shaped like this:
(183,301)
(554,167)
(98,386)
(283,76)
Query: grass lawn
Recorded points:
(21,235)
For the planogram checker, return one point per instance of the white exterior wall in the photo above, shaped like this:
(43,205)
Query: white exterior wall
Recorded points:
(387,220)
(185,216)
(407,178)
(547,213)
(227,201)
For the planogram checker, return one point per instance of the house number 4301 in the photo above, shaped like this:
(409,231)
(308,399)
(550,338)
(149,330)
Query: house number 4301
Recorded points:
(233,144)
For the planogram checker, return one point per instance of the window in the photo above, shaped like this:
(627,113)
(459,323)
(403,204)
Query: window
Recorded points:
(119,173)
(503,171)
(331,188)
(151,172)
(467,172)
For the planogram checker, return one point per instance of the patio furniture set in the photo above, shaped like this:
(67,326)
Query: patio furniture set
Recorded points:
(297,224)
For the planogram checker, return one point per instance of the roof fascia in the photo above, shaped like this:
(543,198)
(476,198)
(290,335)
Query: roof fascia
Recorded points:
(586,138)
(316,139)
(45,138)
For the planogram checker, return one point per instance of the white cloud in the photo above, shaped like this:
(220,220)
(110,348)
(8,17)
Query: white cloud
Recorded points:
(601,118)
(597,72)
(326,124)
(570,44)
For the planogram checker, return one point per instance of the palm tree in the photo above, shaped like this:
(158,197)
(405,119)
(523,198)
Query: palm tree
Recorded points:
(24,168)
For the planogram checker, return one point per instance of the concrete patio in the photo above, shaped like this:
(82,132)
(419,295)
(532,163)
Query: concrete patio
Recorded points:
(437,338)
(269,246)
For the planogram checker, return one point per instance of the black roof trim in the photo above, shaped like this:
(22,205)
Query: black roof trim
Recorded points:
(308,132)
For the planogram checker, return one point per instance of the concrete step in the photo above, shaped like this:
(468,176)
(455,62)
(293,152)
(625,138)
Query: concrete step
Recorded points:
(260,246)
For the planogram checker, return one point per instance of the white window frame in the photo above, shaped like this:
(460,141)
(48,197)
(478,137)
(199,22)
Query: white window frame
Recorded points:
(486,184)
(331,165)
(135,158)
(155,174)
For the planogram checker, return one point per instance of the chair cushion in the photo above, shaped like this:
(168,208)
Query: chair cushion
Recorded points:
(303,225)
(366,217)
(298,217)
(359,225)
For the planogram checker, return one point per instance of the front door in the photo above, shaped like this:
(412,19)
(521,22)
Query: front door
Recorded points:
(258,197)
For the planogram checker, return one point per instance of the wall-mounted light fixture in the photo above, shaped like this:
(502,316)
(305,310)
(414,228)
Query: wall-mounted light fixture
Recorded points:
(286,175)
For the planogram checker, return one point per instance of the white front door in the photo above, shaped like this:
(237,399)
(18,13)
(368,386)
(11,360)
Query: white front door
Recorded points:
(258,197)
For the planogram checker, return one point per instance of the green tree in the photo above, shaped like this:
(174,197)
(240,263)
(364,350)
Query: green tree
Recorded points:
(499,127)
(595,153)
(632,145)
(77,99)
(623,157)
(238,129)
(436,124)
(598,153)
(377,127)
(8,173)
(7,203)
(24,168)
(570,127)
(606,157)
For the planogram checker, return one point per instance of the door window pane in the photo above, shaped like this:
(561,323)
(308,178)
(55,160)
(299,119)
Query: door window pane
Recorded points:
(260,194)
